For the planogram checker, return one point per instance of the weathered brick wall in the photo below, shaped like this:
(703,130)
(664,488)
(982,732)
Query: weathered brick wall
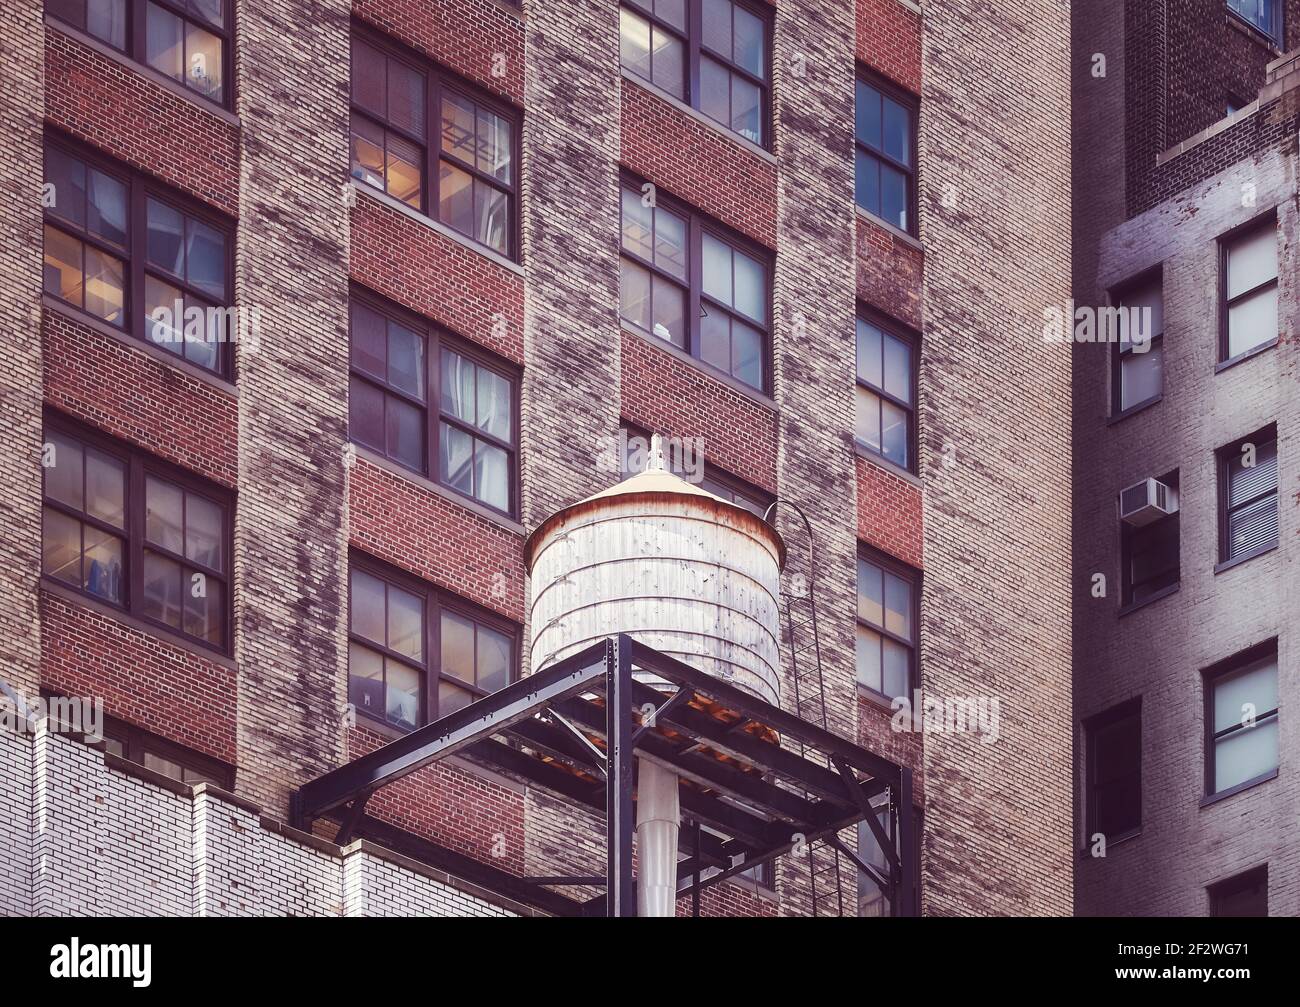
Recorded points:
(995,399)
(890,268)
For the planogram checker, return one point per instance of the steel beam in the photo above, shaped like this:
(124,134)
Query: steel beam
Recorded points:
(620,819)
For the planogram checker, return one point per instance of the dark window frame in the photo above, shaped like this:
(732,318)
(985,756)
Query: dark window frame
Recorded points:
(1237,884)
(137,52)
(435,601)
(692,40)
(912,104)
(697,225)
(1115,715)
(1210,678)
(438,79)
(436,338)
(1276,33)
(136,743)
(1127,536)
(1118,352)
(913,340)
(1265,221)
(139,464)
(889,564)
(1223,475)
(134,254)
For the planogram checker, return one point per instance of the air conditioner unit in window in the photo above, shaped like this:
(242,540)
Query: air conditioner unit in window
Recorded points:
(1146,502)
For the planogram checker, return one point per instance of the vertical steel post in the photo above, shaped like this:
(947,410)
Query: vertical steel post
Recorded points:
(620,891)
(909,899)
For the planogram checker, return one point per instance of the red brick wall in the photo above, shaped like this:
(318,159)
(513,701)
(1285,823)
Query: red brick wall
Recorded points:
(438,277)
(889,272)
(417,529)
(131,395)
(476,38)
(662,393)
(698,164)
(141,122)
(142,679)
(889,41)
(889,513)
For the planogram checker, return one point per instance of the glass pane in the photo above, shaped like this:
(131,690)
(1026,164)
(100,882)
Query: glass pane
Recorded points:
(1245,755)
(896,662)
(867,115)
(455,198)
(166,767)
(106,207)
(162,589)
(494,147)
(61,547)
(203,62)
(203,336)
(166,232)
(365,680)
(402,694)
(870,593)
(458,137)
(493,659)
(717,269)
(165,310)
(636,225)
(1246,482)
(866,182)
(669,312)
(746,109)
(369,341)
(716,15)
(456,458)
(209,10)
(867,428)
(405,98)
(747,354)
(898,606)
(367,606)
(164,49)
(893,196)
(405,360)
(203,532)
(1252,259)
(1252,321)
(1150,316)
(749,42)
(672,11)
(106,20)
(493,404)
(64,477)
(163,514)
(369,82)
(670,243)
(451,698)
(63,266)
(897,132)
(367,152)
(457,646)
(105,286)
(893,433)
(668,63)
(366,414)
(405,432)
(867,653)
(458,377)
(715,339)
(1235,695)
(205,258)
(1253,527)
(1141,376)
(869,354)
(68,177)
(406,623)
(204,607)
(751,287)
(403,170)
(898,369)
(715,91)
(491,216)
(634,293)
(105,488)
(492,475)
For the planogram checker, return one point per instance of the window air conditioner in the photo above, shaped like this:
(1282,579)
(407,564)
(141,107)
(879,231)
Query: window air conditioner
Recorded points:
(1146,502)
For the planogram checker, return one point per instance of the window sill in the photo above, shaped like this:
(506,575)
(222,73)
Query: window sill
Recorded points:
(1085,854)
(867,455)
(1223,795)
(1251,31)
(65,593)
(1228,564)
(51,303)
(148,72)
(1133,410)
(739,386)
(384,199)
(425,483)
(877,699)
(901,235)
(1134,606)
(1249,354)
(749,146)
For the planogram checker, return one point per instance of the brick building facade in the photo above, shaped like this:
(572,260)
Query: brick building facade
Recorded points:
(496,250)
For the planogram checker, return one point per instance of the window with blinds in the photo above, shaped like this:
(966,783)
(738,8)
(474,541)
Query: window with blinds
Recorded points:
(1248,497)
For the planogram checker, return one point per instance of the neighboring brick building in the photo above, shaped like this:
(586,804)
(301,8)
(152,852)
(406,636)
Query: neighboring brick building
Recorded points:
(812,235)
(1184,627)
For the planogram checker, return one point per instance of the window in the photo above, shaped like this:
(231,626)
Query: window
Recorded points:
(465,176)
(134,256)
(1149,555)
(1114,795)
(1241,720)
(186,40)
(1243,895)
(886,394)
(885,170)
(711,54)
(689,283)
(416,654)
(1137,378)
(433,405)
(1265,15)
(144,749)
(635,451)
(872,899)
(886,631)
(1248,496)
(137,534)
(1249,268)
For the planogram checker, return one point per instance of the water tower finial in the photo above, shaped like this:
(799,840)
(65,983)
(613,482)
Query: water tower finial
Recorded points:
(655,461)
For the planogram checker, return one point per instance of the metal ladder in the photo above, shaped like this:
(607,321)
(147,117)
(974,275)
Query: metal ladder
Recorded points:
(825,872)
